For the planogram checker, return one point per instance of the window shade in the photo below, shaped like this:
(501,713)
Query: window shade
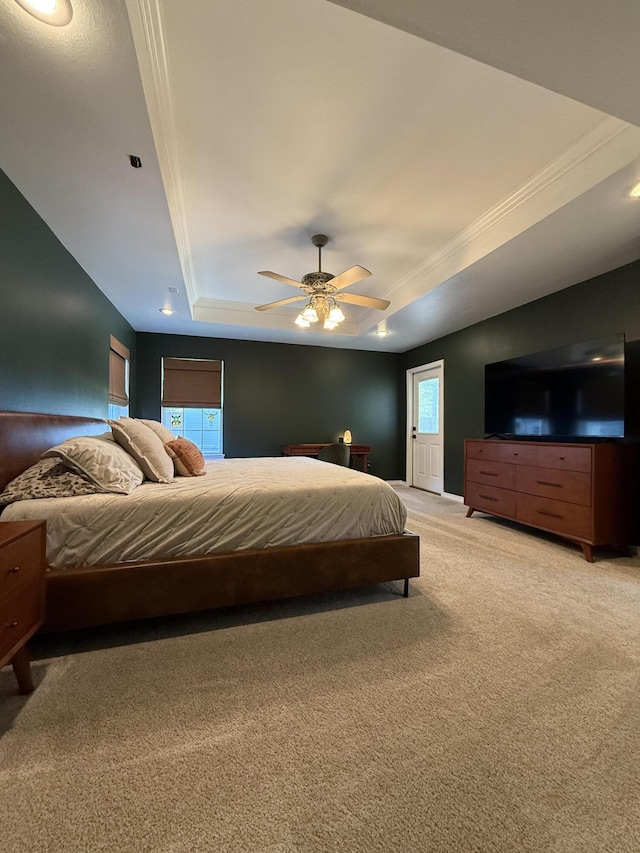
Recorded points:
(118,357)
(192,383)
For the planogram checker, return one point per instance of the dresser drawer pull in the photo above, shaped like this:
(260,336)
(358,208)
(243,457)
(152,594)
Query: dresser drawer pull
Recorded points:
(550,514)
(14,570)
(488,498)
(12,625)
(489,473)
(545,483)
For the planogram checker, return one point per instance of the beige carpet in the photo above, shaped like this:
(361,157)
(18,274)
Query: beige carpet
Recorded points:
(496,709)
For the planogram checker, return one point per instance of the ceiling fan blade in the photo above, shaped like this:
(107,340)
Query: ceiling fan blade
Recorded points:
(367,301)
(279,277)
(281,302)
(349,277)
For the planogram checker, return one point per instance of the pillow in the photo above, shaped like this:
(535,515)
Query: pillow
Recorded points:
(48,478)
(104,463)
(160,430)
(145,447)
(187,457)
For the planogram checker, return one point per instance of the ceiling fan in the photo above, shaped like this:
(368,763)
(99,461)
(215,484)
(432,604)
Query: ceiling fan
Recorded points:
(324,291)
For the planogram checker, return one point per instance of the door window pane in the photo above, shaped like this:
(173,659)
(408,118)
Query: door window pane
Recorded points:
(429,406)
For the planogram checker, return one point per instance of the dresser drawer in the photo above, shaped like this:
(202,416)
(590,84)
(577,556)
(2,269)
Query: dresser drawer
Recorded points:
(20,614)
(490,498)
(21,564)
(560,516)
(571,486)
(482,450)
(565,458)
(521,454)
(493,473)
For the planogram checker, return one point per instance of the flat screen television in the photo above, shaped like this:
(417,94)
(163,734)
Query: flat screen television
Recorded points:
(573,392)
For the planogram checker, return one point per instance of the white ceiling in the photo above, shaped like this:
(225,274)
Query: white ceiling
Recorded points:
(465,189)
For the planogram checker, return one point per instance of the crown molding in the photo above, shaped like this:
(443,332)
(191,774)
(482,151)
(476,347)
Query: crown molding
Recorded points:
(145,18)
(605,149)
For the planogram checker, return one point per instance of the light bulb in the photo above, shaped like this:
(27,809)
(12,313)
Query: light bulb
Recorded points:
(310,314)
(166,310)
(47,7)
(330,324)
(300,321)
(336,315)
(54,12)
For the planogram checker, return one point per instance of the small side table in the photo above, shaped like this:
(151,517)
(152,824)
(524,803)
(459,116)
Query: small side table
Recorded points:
(360,451)
(22,588)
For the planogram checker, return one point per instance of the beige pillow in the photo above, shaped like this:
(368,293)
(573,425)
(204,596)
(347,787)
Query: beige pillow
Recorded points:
(102,462)
(187,457)
(145,447)
(160,430)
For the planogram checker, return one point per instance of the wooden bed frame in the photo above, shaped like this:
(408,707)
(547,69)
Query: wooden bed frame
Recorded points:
(95,595)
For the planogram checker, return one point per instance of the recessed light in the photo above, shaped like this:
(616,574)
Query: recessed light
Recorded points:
(58,13)
(166,310)
(635,192)
(382,330)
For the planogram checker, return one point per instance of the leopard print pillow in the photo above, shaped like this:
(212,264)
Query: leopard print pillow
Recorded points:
(48,478)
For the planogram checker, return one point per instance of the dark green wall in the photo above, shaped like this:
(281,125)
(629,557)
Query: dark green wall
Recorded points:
(276,394)
(54,343)
(602,306)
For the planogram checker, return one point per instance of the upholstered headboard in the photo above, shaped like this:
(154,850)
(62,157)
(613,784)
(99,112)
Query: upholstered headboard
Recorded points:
(24,436)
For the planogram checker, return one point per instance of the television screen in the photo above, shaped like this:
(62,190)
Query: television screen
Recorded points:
(575,391)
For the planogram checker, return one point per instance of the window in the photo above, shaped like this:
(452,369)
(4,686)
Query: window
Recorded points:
(192,401)
(429,406)
(119,358)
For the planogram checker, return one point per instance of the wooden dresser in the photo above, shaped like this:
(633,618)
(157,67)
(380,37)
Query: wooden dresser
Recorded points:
(579,491)
(22,587)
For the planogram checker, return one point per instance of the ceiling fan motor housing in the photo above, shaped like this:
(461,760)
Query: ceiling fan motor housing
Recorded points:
(316,280)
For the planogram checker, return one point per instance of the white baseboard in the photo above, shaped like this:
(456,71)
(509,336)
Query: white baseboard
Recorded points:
(448,495)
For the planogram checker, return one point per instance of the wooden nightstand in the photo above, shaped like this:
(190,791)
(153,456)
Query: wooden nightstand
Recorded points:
(22,576)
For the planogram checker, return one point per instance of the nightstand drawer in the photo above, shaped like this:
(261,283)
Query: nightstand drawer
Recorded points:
(20,614)
(21,564)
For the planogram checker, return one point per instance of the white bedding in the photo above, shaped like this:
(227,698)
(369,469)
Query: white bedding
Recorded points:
(237,504)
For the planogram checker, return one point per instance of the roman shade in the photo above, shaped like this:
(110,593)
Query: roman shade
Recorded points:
(191,383)
(119,356)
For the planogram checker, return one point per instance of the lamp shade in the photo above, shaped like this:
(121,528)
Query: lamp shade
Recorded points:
(310,314)
(347,436)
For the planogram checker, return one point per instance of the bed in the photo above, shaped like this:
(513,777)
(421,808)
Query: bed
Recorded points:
(162,584)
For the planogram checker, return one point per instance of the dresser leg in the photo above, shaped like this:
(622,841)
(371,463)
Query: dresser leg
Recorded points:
(22,669)
(587,550)
(469,511)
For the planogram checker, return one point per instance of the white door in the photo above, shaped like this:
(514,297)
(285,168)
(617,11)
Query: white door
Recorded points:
(426,429)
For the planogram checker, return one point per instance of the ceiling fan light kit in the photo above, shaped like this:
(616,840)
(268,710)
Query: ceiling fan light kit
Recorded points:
(323,291)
